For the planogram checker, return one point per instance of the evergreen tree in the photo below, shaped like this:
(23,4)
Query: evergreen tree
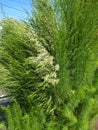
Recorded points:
(70,31)
(27,67)
(61,35)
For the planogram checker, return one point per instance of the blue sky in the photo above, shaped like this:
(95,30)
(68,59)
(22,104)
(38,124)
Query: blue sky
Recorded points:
(14,8)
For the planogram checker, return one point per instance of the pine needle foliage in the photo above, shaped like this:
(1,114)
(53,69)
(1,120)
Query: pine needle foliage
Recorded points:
(50,65)
(70,30)
(28,70)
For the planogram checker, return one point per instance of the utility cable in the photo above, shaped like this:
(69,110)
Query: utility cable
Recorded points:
(20,2)
(11,7)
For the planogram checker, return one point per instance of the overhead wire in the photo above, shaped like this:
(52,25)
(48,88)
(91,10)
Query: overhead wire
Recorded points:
(20,2)
(11,7)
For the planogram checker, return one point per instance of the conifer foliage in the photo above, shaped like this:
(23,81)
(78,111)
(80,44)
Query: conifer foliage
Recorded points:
(50,66)
(27,67)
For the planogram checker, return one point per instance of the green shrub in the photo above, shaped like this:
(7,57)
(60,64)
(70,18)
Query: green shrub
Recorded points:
(50,65)
(2,126)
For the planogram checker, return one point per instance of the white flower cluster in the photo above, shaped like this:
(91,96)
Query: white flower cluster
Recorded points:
(44,64)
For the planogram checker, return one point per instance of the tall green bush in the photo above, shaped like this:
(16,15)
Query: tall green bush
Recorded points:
(28,70)
(70,31)
(50,65)
(29,75)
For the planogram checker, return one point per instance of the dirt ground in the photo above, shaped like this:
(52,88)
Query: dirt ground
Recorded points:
(96,125)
